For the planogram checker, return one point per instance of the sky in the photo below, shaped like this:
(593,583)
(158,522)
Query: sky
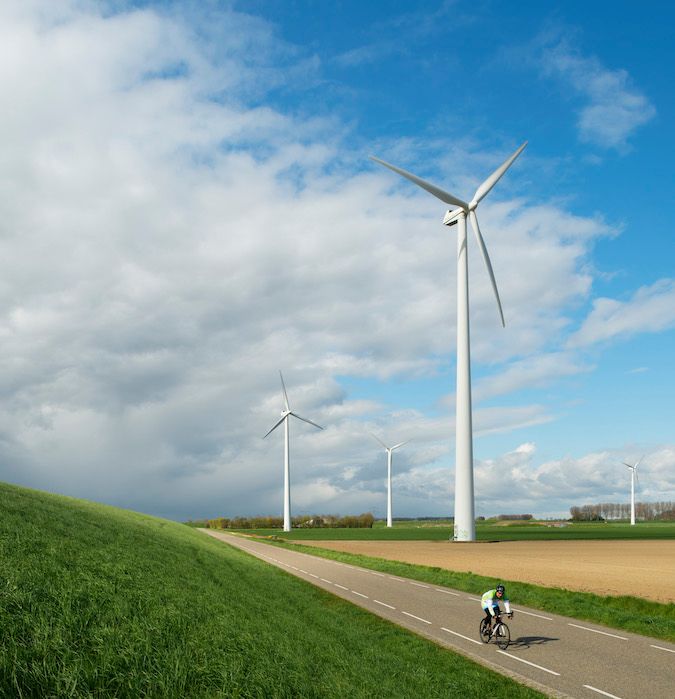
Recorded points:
(187,207)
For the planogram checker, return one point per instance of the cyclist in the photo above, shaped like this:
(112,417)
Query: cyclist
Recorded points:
(490,603)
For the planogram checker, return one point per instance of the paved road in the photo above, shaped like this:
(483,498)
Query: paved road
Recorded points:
(560,656)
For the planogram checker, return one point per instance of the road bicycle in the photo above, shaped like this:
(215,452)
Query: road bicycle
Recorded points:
(500,632)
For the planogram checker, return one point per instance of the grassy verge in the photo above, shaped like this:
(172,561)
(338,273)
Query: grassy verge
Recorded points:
(96,601)
(521,531)
(629,613)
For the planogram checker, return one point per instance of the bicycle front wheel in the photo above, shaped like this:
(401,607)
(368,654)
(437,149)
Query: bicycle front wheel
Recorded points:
(503,636)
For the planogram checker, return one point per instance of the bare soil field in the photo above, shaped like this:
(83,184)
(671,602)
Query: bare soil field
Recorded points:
(638,568)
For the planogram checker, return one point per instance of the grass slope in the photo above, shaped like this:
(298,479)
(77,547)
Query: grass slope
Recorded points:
(96,601)
(406,531)
(620,612)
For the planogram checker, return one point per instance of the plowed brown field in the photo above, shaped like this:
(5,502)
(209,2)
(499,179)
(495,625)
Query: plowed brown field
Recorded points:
(639,568)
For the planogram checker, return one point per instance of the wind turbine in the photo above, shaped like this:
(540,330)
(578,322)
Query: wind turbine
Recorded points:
(465,527)
(633,479)
(285,415)
(389,451)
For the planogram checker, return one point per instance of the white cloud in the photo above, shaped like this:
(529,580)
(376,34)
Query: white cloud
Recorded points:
(169,242)
(651,309)
(614,108)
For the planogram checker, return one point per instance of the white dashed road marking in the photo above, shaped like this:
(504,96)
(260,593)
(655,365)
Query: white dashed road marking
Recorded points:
(384,604)
(466,638)
(447,592)
(599,691)
(604,633)
(417,617)
(360,594)
(527,662)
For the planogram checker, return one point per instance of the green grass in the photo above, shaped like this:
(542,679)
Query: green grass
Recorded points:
(96,601)
(521,531)
(620,612)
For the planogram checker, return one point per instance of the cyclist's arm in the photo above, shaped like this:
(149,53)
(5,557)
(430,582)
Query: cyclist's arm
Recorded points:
(507,606)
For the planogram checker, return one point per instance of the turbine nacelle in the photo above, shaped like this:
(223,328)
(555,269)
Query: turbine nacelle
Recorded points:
(468,210)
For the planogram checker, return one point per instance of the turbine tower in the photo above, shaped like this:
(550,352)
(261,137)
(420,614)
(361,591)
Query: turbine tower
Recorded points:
(465,527)
(389,451)
(285,415)
(633,479)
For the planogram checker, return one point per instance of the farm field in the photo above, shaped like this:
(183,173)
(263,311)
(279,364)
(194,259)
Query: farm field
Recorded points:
(502,531)
(97,601)
(616,567)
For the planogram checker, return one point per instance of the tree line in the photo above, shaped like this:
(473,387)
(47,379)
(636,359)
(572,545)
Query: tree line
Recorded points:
(363,521)
(646,511)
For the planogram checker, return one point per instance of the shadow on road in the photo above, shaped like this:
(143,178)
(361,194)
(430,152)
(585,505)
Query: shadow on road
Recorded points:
(527,641)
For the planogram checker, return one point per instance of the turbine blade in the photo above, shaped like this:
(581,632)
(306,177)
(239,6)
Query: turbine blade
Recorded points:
(639,461)
(486,259)
(431,188)
(379,440)
(283,388)
(306,420)
(400,444)
(496,175)
(276,425)
(625,464)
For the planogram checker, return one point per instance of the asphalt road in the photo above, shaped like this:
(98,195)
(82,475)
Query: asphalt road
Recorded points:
(560,656)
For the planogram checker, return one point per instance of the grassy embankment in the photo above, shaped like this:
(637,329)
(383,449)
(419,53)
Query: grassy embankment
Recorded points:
(517,531)
(620,612)
(96,601)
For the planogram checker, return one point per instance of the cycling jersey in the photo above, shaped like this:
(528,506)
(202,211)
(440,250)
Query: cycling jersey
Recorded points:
(490,602)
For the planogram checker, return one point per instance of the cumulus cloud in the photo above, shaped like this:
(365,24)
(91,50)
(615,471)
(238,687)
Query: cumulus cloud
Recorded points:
(169,241)
(651,309)
(613,107)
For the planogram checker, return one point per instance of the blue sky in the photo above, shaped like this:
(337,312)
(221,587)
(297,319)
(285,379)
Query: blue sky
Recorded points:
(188,207)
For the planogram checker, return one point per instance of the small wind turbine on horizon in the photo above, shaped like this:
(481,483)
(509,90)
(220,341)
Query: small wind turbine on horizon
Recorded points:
(465,526)
(285,415)
(633,480)
(389,452)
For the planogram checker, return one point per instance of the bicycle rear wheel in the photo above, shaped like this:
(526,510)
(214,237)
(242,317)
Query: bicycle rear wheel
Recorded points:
(484,631)
(503,636)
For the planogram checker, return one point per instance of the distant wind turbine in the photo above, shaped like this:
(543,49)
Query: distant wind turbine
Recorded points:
(465,527)
(389,451)
(633,479)
(285,415)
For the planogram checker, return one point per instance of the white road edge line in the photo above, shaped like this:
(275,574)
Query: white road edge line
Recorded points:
(599,691)
(360,594)
(416,617)
(466,638)
(419,585)
(381,575)
(303,571)
(527,662)
(604,633)
(474,599)
(447,592)
(669,650)
(313,576)
(330,582)
(539,616)
(342,587)
(384,604)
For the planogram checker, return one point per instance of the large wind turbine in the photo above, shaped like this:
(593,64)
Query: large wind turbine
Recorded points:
(389,451)
(633,479)
(465,528)
(285,415)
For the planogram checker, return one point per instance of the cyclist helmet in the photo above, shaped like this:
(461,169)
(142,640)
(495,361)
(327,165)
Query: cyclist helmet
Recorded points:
(500,588)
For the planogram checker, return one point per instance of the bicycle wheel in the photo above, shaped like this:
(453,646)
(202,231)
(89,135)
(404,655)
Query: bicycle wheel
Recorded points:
(484,631)
(503,636)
